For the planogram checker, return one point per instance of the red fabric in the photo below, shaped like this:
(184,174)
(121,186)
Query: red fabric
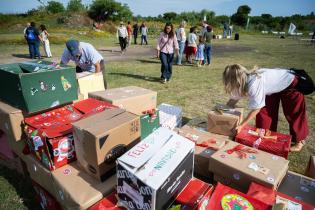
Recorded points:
(222,190)
(262,193)
(195,195)
(191,51)
(107,203)
(92,106)
(294,109)
(45,200)
(305,206)
(274,143)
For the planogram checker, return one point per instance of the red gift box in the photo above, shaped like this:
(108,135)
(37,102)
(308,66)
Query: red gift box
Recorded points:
(107,203)
(50,136)
(305,206)
(225,197)
(45,199)
(262,193)
(266,140)
(195,195)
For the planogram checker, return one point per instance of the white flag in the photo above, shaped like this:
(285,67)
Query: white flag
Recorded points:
(292,28)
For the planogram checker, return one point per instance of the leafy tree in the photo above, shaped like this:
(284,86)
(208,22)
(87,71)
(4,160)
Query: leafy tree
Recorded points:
(102,10)
(75,6)
(169,16)
(240,17)
(55,7)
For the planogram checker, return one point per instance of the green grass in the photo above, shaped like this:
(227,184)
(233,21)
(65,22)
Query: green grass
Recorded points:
(197,90)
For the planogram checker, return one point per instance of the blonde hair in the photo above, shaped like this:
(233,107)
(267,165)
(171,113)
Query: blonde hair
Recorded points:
(235,78)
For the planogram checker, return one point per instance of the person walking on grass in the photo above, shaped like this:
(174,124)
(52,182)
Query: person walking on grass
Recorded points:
(33,39)
(122,35)
(135,30)
(181,38)
(166,46)
(129,30)
(144,33)
(192,44)
(44,37)
(200,52)
(208,36)
(265,88)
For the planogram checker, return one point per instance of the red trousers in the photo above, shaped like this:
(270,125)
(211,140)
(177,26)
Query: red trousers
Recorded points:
(294,109)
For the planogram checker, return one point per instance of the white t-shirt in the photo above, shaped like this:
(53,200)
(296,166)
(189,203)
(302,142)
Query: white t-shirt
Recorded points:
(122,31)
(192,40)
(268,81)
(90,56)
(181,34)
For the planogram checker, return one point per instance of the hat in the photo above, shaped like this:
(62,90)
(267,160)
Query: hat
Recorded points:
(73,47)
(121,23)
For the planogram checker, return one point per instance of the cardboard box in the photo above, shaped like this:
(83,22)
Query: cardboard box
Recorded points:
(225,197)
(152,173)
(100,139)
(205,145)
(72,187)
(149,122)
(36,86)
(262,193)
(77,189)
(11,120)
(242,165)
(109,203)
(133,99)
(170,116)
(266,140)
(289,203)
(195,196)
(299,187)
(90,82)
(50,138)
(224,121)
(310,169)
(44,199)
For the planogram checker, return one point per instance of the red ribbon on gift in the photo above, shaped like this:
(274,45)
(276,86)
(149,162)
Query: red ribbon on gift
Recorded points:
(151,113)
(241,151)
(208,144)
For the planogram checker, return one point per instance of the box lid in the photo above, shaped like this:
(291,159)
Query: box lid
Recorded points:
(92,105)
(102,122)
(157,156)
(56,122)
(122,93)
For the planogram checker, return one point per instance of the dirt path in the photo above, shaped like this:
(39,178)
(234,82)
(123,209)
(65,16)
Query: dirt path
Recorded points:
(133,52)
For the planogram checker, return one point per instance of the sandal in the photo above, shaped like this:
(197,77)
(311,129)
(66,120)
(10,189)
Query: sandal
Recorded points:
(298,146)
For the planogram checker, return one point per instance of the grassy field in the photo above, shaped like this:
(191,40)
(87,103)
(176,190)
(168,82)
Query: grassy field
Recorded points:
(197,90)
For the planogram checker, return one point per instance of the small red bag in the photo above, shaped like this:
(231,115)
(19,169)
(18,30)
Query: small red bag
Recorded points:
(262,193)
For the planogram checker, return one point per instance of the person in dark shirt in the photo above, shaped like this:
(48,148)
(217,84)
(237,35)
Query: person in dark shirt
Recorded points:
(33,39)
(135,32)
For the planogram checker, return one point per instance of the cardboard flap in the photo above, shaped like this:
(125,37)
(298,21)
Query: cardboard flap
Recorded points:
(146,149)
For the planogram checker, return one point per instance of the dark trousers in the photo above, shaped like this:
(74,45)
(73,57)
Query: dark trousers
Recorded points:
(33,47)
(208,54)
(294,109)
(123,43)
(135,36)
(166,65)
(144,39)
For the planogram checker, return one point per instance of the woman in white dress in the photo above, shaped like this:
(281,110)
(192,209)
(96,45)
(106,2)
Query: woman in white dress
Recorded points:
(44,35)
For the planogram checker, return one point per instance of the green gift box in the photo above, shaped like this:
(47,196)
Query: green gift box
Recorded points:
(36,86)
(149,123)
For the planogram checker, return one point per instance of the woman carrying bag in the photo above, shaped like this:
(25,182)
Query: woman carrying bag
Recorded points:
(166,46)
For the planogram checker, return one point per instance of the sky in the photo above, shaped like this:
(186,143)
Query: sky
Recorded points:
(156,7)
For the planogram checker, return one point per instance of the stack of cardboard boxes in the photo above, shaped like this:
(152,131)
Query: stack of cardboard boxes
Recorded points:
(117,150)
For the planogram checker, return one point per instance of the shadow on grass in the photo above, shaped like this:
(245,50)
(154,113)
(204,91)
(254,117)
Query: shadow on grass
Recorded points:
(135,76)
(22,186)
(21,55)
(149,61)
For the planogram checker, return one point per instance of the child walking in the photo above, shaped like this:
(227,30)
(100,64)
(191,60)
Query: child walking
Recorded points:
(200,52)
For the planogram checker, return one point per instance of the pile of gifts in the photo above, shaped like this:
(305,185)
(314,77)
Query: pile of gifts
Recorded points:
(116,149)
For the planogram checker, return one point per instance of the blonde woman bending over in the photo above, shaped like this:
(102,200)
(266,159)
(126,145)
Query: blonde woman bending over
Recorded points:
(265,88)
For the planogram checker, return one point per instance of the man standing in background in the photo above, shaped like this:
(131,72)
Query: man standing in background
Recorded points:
(135,32)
